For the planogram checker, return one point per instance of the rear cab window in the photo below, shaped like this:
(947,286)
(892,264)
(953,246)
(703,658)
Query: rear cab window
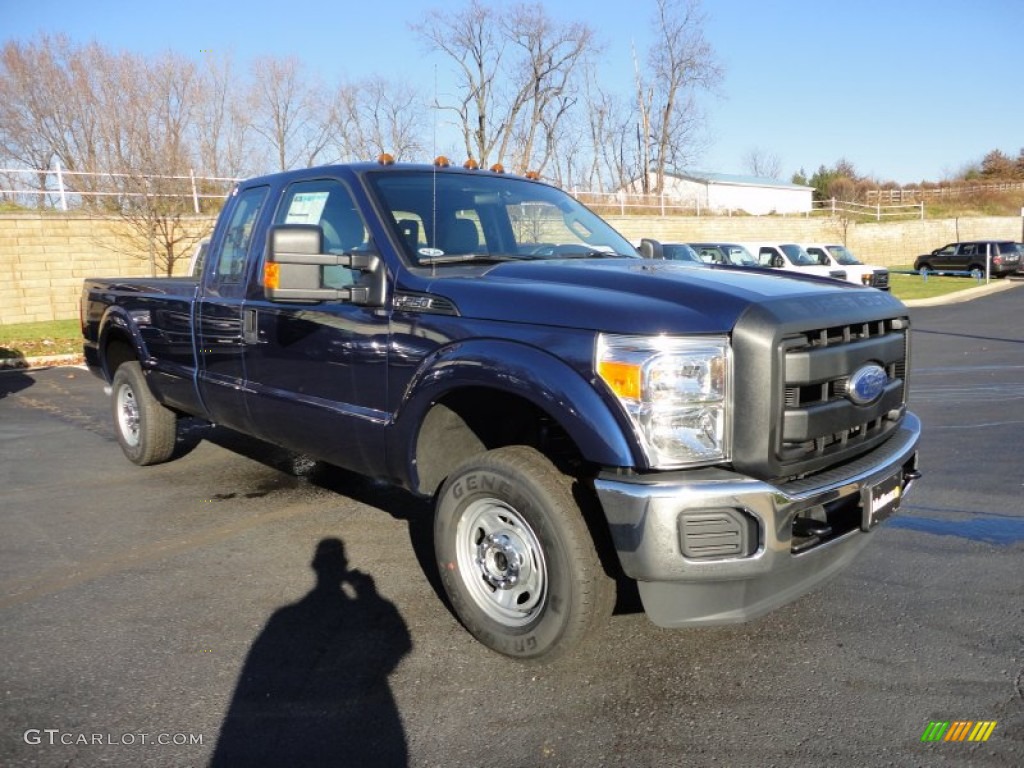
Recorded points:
(229,266)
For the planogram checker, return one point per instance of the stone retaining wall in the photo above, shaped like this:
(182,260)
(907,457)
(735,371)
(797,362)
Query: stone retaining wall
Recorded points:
(44,257)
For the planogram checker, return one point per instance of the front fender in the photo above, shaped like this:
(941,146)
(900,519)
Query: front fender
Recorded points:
(518,369)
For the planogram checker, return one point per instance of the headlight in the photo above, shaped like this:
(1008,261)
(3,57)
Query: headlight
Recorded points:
(675,390)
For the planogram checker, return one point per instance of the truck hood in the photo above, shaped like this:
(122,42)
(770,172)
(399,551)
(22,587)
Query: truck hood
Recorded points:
(632,295)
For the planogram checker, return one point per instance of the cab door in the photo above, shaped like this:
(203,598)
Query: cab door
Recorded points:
(220,374)
(316,372)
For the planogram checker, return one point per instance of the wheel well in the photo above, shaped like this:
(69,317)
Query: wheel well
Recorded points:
(473,420)
(117,350)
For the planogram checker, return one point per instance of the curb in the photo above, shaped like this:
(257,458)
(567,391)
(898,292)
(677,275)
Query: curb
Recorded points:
(34,363)
(965,295)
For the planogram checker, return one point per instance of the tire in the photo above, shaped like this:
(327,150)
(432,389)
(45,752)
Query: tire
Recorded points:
(515,555)
(924,267)
(146,430)
(977,271)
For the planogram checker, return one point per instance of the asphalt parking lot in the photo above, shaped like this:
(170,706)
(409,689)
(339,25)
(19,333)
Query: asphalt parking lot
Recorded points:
(239,606)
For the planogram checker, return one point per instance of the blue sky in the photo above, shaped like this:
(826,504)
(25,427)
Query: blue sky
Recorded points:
(908,90)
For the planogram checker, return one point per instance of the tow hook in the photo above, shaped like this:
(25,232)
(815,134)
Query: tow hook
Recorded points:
(806,527)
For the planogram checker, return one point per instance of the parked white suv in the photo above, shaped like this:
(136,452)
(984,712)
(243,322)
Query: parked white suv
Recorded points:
(791,257)
(840,257)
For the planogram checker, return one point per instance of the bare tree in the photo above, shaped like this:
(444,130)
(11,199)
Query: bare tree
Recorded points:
(470,39)
(611,145)
(289,111)
(222,134)
(543,81)
(765,165)
(153,136)
(377,116)
(515,77)
(681,63)
(48,89)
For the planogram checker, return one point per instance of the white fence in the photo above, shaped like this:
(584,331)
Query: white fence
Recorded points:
(837,208)
(57,189)
(941,194)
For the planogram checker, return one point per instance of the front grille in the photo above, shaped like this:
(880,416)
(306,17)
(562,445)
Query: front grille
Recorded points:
(818,417)
(794,413)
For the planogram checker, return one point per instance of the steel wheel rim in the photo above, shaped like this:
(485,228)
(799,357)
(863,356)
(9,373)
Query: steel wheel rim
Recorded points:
(501,562)
(128,415)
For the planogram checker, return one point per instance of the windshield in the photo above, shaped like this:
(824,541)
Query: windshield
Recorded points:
(798,256)
(842,254)
(739,256)
(454,217)
(680,252)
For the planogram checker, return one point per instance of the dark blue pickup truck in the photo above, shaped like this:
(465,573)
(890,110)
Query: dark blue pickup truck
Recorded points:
(728,438)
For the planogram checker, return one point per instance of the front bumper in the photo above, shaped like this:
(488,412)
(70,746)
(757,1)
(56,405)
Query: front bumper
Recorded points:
(647,516)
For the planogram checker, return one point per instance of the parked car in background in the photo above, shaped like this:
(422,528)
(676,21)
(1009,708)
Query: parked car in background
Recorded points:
(680,252)
(840,257)
(791,257)
(732,254)
(1000,257)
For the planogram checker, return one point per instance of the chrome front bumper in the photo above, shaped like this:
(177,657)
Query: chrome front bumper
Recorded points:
(646,516)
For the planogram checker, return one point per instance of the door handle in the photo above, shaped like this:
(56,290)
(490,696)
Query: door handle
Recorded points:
(250,329)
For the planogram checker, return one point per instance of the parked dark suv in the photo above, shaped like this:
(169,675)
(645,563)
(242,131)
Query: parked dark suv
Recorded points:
(972,256)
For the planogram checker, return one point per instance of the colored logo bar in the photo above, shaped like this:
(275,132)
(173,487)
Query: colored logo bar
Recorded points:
(958,730)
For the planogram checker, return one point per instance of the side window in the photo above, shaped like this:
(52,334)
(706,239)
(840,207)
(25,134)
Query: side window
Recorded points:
(329,204)
(819,256)
(235,246)
(764,257)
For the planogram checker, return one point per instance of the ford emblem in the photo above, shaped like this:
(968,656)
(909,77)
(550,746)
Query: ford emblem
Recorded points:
(867,384)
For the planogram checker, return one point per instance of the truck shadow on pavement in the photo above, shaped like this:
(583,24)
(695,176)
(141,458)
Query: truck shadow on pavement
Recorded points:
(400,504)
(314,688)
(13,381)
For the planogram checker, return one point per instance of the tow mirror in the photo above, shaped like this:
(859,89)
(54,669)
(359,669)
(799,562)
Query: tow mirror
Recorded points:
(294,268)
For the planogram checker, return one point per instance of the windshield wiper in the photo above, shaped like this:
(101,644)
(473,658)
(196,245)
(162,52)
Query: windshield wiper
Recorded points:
(480,258)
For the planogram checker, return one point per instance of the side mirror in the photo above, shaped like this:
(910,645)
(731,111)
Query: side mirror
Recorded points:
(777,262)
(651,249)
(294,268)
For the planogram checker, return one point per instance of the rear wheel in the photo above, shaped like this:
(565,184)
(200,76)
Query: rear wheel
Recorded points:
(516,557)
(146,430)
(977,271)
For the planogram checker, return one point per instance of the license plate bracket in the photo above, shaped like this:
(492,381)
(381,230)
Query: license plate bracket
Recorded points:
(881,500)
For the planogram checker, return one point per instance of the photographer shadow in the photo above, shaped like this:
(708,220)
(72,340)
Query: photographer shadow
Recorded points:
(314,688)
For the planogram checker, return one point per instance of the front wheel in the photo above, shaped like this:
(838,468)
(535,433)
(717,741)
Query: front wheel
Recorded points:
(146,430)
(516,557)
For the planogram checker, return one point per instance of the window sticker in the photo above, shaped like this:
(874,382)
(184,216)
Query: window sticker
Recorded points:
(306,208)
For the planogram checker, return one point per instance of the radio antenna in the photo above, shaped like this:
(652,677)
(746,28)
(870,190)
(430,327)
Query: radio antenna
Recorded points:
(433,191)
